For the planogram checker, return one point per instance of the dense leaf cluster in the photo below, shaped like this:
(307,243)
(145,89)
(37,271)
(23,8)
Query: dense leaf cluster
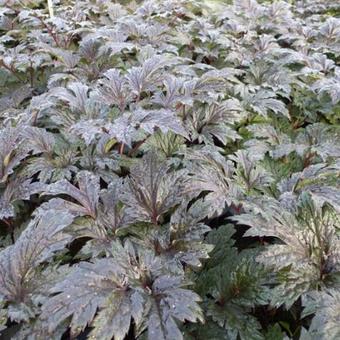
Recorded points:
(169,170)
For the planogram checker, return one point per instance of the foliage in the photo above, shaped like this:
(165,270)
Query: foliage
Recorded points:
(170,170)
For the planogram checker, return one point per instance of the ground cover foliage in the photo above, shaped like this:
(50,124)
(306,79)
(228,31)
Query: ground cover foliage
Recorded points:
(169,172)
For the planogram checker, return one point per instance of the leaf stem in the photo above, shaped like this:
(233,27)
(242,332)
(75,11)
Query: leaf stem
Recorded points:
(49,30)
(121,149)
(133,151)
(50,8)
(11,70)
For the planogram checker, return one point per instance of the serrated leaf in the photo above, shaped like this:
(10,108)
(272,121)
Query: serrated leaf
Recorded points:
(38,243)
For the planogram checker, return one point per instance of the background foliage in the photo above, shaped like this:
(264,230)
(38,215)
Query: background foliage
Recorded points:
(170,170)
